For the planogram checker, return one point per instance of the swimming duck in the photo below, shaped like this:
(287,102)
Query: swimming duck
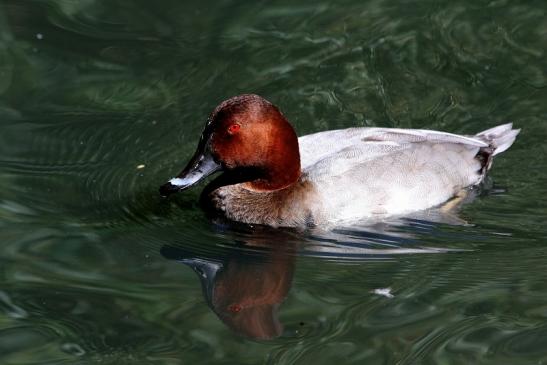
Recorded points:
(272,177)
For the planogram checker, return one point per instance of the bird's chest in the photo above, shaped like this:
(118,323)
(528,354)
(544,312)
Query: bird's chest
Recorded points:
(286,207)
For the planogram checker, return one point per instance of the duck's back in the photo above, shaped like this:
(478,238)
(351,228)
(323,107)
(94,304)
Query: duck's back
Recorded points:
(364,172)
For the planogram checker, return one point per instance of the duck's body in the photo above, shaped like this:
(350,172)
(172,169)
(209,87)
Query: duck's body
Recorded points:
(361,173)
(348,175)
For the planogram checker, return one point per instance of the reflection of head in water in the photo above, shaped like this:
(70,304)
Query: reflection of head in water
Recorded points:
(244,288)
(245,285)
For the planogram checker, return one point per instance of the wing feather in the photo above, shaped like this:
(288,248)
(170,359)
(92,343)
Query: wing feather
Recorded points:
(334,152)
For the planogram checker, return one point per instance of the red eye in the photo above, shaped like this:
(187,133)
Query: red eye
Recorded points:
(234,308)
(234,128)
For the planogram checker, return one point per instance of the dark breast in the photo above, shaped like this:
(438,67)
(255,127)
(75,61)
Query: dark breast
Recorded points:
(289,207)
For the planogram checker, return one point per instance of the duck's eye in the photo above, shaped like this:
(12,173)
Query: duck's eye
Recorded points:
(234,128)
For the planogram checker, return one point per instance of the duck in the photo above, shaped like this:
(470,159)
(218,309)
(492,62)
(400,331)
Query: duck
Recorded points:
(270,176)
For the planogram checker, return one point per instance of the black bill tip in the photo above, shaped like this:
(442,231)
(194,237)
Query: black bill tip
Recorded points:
(168,189)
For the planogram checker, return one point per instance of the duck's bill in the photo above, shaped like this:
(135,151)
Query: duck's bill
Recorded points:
(199,167)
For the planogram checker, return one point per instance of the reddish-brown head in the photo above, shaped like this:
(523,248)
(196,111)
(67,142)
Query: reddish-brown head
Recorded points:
(249,134)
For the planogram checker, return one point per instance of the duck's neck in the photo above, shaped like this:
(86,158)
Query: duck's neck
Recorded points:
(276,178)
(280,167)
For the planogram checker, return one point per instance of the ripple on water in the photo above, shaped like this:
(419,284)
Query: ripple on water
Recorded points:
(85,104)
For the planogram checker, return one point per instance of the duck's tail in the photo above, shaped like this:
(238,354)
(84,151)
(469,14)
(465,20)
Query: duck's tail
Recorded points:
(499,139)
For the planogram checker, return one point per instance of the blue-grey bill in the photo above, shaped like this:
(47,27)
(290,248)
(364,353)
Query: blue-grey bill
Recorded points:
(201,166)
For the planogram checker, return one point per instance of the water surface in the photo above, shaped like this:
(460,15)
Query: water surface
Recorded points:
(102,101)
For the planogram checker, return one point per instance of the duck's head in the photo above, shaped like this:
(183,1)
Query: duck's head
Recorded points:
(249,136)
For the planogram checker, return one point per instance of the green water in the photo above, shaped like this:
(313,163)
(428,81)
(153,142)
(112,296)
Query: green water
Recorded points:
(102,101)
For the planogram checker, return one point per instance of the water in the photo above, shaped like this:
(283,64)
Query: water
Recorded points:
(102,101)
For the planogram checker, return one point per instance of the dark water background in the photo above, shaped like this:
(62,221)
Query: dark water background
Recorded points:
(95,268)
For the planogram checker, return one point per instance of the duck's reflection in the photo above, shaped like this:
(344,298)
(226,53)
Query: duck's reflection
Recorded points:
(244,288)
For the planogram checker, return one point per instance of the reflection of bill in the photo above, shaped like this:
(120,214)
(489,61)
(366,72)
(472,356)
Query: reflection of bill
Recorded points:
(244,289)
(246,286)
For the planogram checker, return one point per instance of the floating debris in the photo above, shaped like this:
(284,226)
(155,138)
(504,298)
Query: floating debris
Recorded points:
(140,167)
(39,36)
(385,292)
